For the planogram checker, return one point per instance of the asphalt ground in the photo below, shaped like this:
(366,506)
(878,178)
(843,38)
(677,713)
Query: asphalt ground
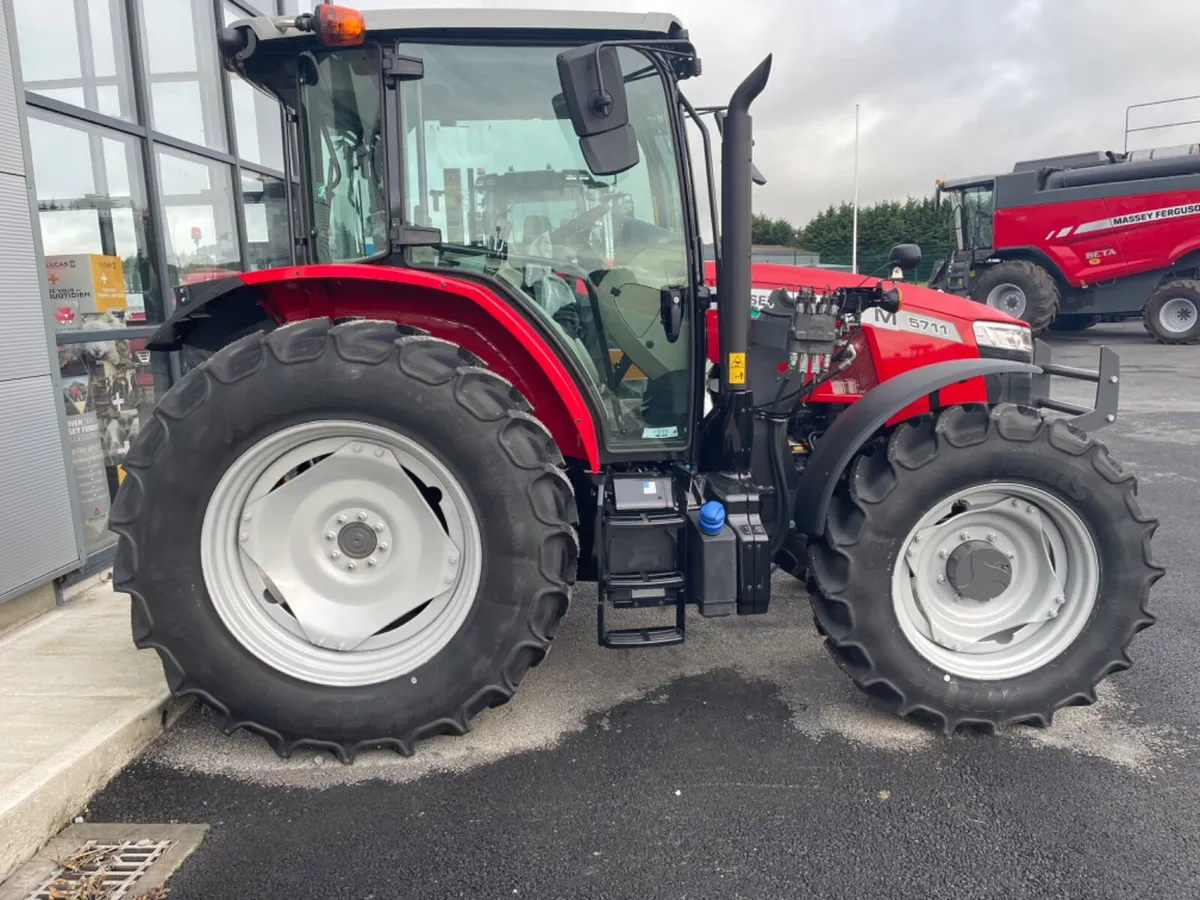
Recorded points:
(742,764)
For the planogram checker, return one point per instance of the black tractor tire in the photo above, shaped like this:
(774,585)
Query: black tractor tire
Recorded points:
(892,484)
(478,426)
(1182,289)
(1074,322)
(1042,295)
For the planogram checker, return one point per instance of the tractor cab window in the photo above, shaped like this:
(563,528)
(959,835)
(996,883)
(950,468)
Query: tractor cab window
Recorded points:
(340,99)
(974,211)
(491,159)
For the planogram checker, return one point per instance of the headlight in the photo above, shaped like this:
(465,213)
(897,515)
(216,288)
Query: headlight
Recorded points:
(1004,340)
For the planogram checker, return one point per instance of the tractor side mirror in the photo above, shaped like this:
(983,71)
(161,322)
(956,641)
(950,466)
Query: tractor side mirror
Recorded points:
(594,96)
(905,257)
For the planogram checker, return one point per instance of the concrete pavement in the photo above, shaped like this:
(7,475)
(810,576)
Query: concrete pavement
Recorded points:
(77,702)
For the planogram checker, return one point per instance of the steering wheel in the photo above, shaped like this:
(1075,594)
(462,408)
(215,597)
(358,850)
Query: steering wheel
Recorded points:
(572,227)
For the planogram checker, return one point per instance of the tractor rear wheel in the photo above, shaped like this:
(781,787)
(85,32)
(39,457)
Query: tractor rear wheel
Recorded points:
(345,536)
(983,568)
(1021,289)
(1172,314)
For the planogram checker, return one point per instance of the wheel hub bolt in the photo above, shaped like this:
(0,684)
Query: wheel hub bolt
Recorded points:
(1009,554)
(362,517)
(963,536)
(243,536)
(943,553)
(246,517)
(351,566)
(379,528)
(453,560)
(383,547)
(329,535)
(1029,509)
(379,453)
(941,579)
(335,555)
(449,579)
(371,562)
(991,536)
(358,448)
(1016,503)
(341,520)
(917,539)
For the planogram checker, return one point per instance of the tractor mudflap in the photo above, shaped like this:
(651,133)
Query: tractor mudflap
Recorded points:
(1107,380)
(640,529)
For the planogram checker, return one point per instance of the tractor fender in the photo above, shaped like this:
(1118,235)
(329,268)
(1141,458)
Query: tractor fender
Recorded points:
(210,314)
(852,429)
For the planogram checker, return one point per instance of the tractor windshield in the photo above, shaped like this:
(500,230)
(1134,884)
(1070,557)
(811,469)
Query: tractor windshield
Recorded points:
(491,159)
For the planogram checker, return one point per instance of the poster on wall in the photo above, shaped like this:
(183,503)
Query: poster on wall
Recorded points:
(83,286)
(88,459)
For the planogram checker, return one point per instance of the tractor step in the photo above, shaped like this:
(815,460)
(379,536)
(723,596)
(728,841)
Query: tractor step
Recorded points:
(631,638)
(641,524)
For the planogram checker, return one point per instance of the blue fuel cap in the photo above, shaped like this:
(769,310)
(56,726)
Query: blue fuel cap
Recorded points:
(712,517)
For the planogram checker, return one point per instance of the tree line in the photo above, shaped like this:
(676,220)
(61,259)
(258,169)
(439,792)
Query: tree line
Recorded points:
(880,227)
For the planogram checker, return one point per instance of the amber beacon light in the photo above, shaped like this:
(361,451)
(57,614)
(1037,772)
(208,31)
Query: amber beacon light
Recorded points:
(339,26)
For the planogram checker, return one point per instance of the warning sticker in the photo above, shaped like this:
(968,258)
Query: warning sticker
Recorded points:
(737,368)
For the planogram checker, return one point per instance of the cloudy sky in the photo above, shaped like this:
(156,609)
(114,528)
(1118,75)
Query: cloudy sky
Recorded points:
(947,88)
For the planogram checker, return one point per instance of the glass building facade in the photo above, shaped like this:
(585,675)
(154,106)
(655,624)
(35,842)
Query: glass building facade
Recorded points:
(149,167)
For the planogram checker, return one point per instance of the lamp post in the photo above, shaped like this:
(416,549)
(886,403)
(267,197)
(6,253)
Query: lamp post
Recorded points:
(854,238)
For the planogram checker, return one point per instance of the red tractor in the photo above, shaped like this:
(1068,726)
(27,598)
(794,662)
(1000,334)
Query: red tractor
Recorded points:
(358,520)
(1067,241)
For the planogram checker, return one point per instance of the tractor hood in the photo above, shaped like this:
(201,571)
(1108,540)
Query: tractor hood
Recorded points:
(768,277)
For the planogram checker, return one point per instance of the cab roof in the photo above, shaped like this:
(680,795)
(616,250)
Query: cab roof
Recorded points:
(449,21)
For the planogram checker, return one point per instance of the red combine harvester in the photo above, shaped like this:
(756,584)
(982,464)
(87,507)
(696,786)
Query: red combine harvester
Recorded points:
(1066,241)
(359,519)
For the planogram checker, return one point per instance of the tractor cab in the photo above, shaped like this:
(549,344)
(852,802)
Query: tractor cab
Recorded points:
(447,143)
(972,203)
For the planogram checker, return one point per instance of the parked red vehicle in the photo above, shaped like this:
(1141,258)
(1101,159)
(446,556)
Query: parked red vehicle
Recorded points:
(358,521)
(1065,241)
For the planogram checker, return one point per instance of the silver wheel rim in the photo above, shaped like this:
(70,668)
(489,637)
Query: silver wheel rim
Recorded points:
(1055,579)
(1177,315)
(325,519)
(1007,297)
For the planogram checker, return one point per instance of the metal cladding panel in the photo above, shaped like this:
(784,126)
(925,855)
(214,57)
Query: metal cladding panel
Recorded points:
(23,341)
(37,534)
(12,158)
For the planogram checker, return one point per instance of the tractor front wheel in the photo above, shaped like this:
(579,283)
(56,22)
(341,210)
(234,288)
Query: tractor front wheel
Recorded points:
(985,567)
(345,536)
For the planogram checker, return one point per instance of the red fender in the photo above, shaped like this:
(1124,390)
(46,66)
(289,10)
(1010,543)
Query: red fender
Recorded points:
(469,315)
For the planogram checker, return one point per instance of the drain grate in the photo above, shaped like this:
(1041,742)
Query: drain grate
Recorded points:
(101,870)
